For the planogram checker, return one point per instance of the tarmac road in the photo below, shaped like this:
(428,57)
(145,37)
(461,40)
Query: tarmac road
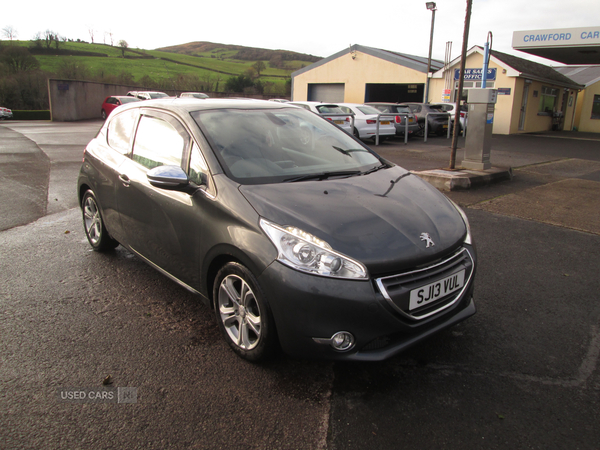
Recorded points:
(521,373)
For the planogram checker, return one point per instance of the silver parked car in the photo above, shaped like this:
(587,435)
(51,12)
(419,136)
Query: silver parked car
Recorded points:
(404,115)
(329,111)
(365,121)
(193,95)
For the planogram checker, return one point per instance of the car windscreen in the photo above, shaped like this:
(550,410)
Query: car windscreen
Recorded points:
(329,109)
(157,95)
(402,109)
(368,110)
(129,99)
(256,146)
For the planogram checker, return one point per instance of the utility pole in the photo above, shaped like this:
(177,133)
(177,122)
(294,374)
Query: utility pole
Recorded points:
(463,58)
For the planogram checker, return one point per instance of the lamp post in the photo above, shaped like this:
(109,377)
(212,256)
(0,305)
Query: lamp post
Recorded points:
(431,7)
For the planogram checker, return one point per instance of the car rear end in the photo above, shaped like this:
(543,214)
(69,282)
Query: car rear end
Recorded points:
(437,120)
(334,114)
(5,113)
(387,126)
(405,115)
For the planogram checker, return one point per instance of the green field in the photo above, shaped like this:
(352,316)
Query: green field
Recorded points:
(160,66)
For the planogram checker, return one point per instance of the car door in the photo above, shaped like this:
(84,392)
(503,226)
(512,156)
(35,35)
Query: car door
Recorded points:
(154,219)
(106,154)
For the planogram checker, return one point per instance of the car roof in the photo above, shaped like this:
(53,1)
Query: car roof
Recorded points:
(189,104)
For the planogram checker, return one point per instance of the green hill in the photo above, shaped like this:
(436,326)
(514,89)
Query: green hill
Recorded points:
(194,66)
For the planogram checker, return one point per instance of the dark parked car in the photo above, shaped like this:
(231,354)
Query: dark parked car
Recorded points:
(110,103)
(437,119)
(318,246)
(400,120)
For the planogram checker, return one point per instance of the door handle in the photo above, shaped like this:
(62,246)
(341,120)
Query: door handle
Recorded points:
(125,180)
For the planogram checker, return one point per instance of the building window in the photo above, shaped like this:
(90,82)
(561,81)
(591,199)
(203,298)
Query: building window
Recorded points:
(596,107)
(548,100)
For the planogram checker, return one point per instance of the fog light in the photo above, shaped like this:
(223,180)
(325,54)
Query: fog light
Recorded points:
(342,341)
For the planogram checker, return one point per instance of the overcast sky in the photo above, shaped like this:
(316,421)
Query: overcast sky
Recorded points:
(316,27)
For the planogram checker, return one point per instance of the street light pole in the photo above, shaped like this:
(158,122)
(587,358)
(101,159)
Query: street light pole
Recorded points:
(431,7)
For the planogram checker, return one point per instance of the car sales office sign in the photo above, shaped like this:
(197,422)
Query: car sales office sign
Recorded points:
(475,74)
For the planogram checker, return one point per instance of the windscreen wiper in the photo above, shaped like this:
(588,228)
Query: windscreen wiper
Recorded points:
(347,152)
(375,169)
(322,176)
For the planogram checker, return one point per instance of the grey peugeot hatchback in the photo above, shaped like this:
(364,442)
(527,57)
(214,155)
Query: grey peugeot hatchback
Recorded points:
(297,234)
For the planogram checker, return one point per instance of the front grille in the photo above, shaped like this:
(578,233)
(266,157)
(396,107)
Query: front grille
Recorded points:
(396,289)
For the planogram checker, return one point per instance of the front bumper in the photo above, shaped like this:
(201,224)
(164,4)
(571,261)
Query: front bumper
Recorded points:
(307,307)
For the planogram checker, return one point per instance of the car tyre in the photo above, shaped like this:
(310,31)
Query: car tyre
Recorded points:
(242,313)
(356,133)
(93,224)
(103,114)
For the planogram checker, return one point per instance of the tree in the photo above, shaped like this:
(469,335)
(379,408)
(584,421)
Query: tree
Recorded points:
(259,66)
(9,32)
(18,59)
(124,45)
(91,31)
(239,83)
(58,39)
(48,37)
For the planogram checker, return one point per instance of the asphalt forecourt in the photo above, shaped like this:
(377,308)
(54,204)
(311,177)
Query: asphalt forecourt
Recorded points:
(101,351)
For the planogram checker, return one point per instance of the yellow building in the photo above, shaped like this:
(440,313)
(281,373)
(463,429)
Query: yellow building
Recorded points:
(361,74)
(529,93)
(587,109)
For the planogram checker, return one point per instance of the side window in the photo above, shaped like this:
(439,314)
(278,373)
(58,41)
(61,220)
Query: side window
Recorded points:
(120,130)
(198,166)
(157,143)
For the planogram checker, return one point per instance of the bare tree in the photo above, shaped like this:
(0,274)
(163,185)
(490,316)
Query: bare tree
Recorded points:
(48,37)
(58,39)
(124,45)
(91,31)
(110,34)
(9,32)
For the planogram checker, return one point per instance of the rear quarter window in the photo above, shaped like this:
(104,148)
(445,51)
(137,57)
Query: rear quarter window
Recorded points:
(120,130)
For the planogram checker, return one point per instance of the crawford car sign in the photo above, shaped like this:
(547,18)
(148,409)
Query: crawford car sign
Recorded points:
(564,37)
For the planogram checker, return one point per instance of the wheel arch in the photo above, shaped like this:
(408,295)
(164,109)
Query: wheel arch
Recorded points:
(222,254)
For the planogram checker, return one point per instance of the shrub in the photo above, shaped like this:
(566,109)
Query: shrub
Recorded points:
(31,115)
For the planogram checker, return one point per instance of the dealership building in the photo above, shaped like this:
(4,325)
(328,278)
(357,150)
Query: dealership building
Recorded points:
(532,97)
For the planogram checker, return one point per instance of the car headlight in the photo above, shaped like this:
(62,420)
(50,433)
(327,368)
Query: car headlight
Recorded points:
(468,239)
(303,251)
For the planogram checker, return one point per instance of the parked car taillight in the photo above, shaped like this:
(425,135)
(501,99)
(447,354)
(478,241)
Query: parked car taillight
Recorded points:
(347,119)
(398,119)
(371,121)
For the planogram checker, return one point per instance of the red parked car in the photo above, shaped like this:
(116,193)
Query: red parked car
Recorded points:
(112,102)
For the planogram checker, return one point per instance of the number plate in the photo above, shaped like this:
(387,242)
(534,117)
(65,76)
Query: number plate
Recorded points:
(385,122)
(339,122)
(431,292)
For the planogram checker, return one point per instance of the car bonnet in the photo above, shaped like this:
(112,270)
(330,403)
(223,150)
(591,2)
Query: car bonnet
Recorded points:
(376,218)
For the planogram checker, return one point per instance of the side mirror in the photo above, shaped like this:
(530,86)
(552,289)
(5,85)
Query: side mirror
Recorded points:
(168,177)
